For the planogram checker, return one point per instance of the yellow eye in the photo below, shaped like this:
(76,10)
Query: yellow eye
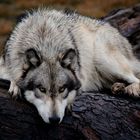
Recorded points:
(42,89)
(62,89)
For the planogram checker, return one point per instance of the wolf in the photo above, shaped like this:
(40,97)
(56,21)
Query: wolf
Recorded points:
(53,55)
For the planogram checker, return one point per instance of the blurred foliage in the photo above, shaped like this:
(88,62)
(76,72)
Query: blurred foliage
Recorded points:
(10,9)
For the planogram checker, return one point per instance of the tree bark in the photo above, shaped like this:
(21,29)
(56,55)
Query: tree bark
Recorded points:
(95,115)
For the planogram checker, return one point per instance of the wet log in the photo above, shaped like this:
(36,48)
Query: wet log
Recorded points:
(95,115)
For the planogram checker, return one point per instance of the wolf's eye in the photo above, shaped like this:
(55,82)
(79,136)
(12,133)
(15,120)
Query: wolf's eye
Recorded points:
(42,89)
(61,89)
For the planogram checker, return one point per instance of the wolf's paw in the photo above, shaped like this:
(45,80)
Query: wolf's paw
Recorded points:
(118,88)
(133,89)
(14,91)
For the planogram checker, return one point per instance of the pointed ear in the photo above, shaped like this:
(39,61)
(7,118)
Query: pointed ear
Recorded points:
(33,58)
(69,59)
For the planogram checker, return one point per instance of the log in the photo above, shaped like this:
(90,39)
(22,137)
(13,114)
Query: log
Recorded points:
(95,115)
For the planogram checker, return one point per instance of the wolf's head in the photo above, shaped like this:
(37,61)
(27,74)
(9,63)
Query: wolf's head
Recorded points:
(51,84)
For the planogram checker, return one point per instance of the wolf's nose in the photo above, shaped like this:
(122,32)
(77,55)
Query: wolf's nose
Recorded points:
(54,120)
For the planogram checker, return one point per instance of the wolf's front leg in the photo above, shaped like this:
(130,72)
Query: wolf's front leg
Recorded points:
(132,89)
(14,90)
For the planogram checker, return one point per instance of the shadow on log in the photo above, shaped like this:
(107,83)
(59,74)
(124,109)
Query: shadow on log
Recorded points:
(95,115)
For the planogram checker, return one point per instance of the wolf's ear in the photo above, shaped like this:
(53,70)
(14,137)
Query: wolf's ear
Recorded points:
(33,58)
(23,16)
(69,59)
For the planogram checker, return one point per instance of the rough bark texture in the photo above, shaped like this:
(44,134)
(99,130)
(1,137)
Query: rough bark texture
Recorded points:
(95,115)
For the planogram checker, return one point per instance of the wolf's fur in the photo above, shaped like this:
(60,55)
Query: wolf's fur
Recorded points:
(51,48)
(3,71)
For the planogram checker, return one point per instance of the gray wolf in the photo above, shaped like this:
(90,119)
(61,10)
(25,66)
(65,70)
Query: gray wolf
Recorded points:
(53,55)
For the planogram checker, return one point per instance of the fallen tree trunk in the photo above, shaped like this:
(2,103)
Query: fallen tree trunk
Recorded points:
(95,115)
